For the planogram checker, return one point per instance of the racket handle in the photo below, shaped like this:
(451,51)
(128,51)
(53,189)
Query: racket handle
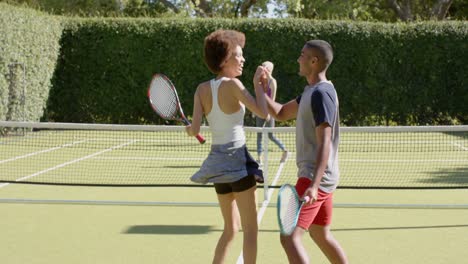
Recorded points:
(200,138)
(306,199)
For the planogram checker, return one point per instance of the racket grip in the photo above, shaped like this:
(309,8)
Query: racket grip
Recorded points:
(306,199)
(200,138)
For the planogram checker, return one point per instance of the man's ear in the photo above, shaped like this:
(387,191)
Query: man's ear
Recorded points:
(315,59)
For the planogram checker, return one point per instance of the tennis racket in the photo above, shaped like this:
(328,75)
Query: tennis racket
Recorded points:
(165,102)
(288,208)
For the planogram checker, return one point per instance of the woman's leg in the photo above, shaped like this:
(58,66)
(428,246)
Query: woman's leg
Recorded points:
(276,141)
(231,218)
(284,156)
(271,123)
(247,204)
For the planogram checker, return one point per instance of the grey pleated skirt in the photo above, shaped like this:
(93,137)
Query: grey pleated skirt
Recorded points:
(227,163)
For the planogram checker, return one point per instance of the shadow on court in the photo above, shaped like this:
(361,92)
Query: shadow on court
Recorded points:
(456,177)
(173,167)
(169,229)
(182,166)
(197,229)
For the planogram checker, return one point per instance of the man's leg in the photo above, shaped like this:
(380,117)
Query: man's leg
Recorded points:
(321,234)
(293,244)
(294,248)
(328,244)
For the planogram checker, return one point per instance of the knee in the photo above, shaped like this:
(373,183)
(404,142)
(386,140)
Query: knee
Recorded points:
(322,235)
(287,241)
(231,232)
(250,230)
(229,236)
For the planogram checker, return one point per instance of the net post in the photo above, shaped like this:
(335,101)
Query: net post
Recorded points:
(265,163)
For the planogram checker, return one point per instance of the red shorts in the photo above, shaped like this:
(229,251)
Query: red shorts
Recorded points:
(318,213)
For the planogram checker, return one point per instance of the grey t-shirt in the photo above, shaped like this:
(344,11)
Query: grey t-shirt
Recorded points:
(318,104)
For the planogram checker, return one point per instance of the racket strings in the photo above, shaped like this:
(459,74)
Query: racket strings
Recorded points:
(164,97)
(289,207)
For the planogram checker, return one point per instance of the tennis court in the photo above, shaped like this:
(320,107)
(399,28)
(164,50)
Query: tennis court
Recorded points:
(419,214)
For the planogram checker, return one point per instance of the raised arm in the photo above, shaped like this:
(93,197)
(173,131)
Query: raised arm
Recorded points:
(257,105)
(272,84)
(282,112)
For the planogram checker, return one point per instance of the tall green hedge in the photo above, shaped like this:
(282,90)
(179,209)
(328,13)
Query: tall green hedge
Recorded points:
(385,74)
(29,48)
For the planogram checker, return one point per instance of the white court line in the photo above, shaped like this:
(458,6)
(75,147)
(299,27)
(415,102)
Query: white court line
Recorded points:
(148,158)
(400,161)
(70,162)
(159,158)
(261,212)
(215,204)
(42,151)
(392,142)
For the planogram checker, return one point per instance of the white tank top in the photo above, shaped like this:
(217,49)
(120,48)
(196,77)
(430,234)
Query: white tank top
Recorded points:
(224,127)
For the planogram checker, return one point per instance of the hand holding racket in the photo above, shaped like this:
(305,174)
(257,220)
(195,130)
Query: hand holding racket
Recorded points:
(164,100)
(289,206)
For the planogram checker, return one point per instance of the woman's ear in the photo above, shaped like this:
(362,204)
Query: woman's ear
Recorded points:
(221,65)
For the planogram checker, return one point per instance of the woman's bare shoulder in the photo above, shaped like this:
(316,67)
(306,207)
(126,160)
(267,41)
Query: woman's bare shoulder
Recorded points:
(235,83)
(204,86)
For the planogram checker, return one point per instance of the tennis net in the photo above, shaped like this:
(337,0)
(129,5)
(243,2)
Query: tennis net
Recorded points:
(147,155)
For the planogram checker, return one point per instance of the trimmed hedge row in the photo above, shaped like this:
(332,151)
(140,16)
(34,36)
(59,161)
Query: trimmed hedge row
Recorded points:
(385,74)
(29,48)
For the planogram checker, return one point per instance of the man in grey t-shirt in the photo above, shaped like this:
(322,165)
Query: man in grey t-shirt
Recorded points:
(317,137)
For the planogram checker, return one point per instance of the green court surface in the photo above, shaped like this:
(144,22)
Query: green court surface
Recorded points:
(63,226)
(83,224)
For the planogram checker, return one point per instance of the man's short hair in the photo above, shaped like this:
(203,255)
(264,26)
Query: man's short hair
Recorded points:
(219,45)
(324,51)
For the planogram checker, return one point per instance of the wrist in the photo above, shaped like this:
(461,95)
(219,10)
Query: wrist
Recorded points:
(314,184)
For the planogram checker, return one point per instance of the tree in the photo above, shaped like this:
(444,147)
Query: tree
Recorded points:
(152,8)
(406,10)
(74,7)
(458,10)
(196,8)
(367,10)
(229,8)
(210,8)
(334,9)
(375,10)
